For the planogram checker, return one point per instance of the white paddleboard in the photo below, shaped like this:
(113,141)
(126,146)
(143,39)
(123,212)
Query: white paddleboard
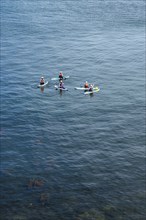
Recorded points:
(43,85)
(57,78)
(58,88)
(81,88)
(91,92)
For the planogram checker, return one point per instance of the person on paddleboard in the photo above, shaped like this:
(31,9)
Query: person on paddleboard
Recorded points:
(61,84)
(60,76)
(86,85)
(91,88)
(42,81)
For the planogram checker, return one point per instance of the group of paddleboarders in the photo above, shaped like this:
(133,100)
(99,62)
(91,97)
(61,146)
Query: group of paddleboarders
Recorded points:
(42,80)
(60,77)
(87,86)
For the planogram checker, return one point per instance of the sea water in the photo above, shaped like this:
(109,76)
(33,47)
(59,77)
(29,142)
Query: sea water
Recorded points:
(67,155)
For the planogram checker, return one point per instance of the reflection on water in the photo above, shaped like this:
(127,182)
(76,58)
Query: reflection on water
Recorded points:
(42,89)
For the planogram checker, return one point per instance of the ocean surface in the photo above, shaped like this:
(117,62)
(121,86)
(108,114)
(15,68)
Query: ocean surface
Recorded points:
(71,156)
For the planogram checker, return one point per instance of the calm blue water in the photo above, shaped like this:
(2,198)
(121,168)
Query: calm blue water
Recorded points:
(69,156)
